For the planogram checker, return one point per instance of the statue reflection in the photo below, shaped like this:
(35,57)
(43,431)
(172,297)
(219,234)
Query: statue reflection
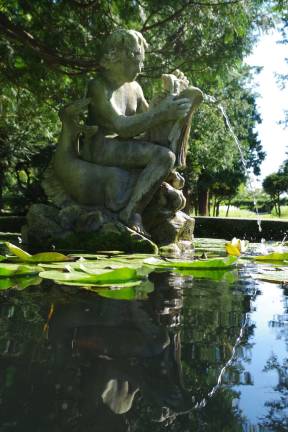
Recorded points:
(122,350)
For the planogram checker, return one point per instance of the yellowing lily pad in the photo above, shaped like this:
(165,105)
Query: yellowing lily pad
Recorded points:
(37,258)
(274,256)
(212,263)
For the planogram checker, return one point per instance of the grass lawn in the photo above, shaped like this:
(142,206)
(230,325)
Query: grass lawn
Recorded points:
(237,212)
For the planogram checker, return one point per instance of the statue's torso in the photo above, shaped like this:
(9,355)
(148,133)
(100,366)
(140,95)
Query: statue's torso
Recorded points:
(123,100)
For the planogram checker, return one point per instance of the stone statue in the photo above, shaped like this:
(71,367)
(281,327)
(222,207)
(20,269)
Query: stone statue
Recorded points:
(121,164)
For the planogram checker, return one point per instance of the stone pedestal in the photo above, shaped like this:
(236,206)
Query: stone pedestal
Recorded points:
(78,228)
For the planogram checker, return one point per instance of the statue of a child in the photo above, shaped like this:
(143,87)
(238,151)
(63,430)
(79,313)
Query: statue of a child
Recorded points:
(119,109)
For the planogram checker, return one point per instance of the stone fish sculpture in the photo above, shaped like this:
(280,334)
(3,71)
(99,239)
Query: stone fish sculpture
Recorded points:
(115,176)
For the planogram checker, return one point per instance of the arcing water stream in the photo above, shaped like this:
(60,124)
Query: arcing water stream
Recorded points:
(211,99)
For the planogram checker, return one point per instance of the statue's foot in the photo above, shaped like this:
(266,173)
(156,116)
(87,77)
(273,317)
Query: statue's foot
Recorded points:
(134,222)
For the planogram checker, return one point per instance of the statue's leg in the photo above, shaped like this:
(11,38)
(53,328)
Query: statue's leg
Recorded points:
(156,161)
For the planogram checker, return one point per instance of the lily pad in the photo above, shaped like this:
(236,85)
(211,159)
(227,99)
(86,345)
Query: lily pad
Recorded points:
(274,256)
(128,293)
(136,256)
(8,270)
(6,283)
(212,263)
(19,282)
(275,277)
(94,286)
(99,277)
(215,275)
(37,258)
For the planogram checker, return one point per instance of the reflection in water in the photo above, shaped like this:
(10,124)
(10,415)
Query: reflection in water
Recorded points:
(277,417)
(108,365)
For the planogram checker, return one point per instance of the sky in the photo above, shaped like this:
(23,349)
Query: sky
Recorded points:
(272,100)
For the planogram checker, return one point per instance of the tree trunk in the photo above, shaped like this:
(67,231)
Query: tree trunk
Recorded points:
(203,202)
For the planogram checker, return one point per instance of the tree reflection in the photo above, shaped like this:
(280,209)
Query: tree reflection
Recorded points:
(111,365)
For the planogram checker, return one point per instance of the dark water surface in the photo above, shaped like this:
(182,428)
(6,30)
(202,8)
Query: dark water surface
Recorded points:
(197,355)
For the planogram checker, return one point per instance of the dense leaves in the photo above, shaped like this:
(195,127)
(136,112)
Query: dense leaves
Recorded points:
(49,49)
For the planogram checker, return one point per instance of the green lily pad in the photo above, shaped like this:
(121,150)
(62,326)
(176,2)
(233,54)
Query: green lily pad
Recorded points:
(94,287)
(275,277)
(274,256)
(136,256)
(215,275)
(139,292)
(20,253)
(89,256)
(37,258)
(93,267)
(212,263)
(19,282)
(99,277)
(6,283)
(7,270)
(2,258)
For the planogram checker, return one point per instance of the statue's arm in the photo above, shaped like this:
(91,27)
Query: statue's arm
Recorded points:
(130,126)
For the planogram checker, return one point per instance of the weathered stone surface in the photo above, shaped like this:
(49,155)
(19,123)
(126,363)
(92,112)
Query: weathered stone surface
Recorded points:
(77,228)
(173,230)
(125,154)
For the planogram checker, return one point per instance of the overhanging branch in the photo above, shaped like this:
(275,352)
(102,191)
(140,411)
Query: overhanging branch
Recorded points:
(18,34)
(179,12)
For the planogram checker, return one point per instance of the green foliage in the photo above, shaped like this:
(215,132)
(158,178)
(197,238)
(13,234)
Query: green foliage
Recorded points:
(211,263)
(49,49)
(275,185)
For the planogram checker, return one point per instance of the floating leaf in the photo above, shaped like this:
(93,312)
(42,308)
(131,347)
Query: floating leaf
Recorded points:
(94,286)
(136,256)
(37,258)
(46,257)
(19,282)
(275,277)
(17,269)
(20,253)
(2,258)
(212,263)
(6,283)
(89,256)
(138,292)
(100,276)
(216,275)
(274,256)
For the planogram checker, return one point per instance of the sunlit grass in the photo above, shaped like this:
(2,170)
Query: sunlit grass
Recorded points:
(242,213)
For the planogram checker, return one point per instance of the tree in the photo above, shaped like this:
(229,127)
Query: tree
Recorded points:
(49,48)
(214,153)
(274,185)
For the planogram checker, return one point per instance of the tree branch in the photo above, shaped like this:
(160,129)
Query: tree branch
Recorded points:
(83,5)
(20,35)
(177,13)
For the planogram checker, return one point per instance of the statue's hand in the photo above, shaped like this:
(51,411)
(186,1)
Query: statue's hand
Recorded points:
(183,81)
(173,109)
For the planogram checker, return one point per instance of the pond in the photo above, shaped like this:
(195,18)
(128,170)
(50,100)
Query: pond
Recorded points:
(195,353)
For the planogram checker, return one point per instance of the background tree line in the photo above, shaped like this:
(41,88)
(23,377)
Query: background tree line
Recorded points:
(50,48)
